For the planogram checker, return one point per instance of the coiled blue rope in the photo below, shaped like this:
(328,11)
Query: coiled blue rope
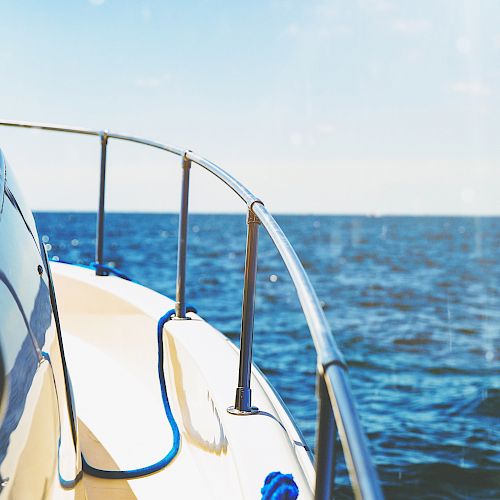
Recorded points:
(144,471)
(278,486)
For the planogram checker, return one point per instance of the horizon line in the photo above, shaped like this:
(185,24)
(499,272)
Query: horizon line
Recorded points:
(293,214)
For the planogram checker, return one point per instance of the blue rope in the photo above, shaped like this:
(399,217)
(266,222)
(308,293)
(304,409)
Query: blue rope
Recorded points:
(94,265)
(278,486)
(144,471)
(109,270)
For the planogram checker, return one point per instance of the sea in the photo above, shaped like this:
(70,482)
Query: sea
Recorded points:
(413,303)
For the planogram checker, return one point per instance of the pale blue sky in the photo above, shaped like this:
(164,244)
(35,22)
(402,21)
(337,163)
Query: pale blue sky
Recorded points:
(373,106)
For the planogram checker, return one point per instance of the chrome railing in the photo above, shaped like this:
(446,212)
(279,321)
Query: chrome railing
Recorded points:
(336,413)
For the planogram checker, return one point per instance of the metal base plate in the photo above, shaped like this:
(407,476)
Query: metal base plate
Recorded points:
(251,411)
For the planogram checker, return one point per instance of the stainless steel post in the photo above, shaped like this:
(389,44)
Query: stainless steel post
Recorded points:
(326,436)
(180,304)
(243,401)
(99,248)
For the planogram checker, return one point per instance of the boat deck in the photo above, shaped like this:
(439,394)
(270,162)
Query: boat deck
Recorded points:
(109,333)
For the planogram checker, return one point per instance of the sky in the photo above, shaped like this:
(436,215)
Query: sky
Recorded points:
(342,107)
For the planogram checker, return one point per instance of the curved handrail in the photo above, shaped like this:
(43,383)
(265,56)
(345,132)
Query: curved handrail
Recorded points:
(332,368)
(47,126)
(224,176)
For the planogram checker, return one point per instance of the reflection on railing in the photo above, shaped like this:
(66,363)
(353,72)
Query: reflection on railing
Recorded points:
(337,412)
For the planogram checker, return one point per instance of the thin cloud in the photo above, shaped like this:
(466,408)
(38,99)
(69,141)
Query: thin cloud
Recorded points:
(151,82)
(326,129)
(379,5)
(293,30)
(296,139)
(472,88)
(146,13)
(464,46)
(342,30)
(411,26)
(326,9)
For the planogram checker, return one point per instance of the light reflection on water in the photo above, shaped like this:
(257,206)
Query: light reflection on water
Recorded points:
(413,301)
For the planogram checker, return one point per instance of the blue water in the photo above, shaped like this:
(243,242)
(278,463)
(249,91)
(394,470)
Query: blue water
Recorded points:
(414,303)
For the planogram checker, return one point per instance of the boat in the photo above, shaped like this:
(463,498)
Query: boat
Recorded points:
(112,390)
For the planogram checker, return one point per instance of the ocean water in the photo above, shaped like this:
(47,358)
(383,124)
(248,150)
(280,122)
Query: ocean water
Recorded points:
(414,303)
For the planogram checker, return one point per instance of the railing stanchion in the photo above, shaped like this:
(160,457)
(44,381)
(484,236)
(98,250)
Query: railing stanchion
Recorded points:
(99,245)
(180,304)
(243,400)
(326,436)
